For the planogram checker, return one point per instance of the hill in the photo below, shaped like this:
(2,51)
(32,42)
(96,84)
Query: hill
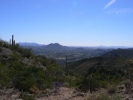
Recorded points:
(55,46)
(113,60)
(126,53)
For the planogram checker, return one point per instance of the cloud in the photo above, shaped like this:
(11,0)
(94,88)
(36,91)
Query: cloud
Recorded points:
(109,4)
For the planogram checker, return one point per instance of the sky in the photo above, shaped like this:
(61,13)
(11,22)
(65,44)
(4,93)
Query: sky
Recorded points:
(68,22)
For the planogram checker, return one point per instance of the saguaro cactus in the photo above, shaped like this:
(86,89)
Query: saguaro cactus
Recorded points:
(14,43)
(12,40)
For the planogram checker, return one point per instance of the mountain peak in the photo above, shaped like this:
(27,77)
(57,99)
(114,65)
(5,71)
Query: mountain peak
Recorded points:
(55,46)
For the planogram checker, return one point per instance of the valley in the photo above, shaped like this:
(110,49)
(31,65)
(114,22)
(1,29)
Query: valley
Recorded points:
(59,52)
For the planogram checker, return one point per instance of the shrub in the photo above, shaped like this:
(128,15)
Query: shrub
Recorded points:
(102,84)
(4,44)
(99,97)
(26,52)
(25,96)
(4,79)
(104,97)
(43,60)
(86,83)
(1,42)
(112,89)
(116,97)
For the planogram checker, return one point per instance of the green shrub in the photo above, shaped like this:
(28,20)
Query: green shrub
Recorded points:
(103,96)
(4,79)
(116,97)
(26,52)
(102,84)
(1,42)
(87,83)
(112,89)
(99,97)
(25,96)
(43,60)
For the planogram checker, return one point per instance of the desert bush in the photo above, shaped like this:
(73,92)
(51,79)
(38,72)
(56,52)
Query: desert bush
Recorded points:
(127,84)
(116,97)
(26,96)
(16,47)
(83,84)
(1,42)
(4,79)
(112,89)
(102,84)
(87,83)
(26,52)
(103,96)
(4,44)
(99,97)
(43,60)
(27,78)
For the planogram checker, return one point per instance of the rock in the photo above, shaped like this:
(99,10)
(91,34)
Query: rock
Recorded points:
(80,94)
(121,87)
(14,97)
(131,91)
(66,84)
(127,99)
(0,86)
(75,91)
(2,92)
(5,56)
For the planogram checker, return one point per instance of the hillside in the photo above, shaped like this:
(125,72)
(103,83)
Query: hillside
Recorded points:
(24,72)
(126,53)
(110,68)
(16,61)
(113,60)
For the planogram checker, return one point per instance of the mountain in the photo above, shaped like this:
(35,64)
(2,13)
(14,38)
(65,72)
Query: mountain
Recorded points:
(55,46)
(29,44)
(51,46)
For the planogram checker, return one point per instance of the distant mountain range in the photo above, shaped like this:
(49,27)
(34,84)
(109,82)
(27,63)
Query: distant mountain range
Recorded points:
(57,46)
(26,44)
(51,46)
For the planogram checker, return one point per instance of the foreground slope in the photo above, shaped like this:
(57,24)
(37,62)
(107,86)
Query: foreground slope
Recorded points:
(22,70)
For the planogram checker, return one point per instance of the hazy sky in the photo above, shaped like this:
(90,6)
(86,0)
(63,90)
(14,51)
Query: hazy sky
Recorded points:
(68,22)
